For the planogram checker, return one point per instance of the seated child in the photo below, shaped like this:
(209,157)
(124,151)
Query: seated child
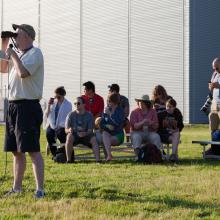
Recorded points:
(170,126)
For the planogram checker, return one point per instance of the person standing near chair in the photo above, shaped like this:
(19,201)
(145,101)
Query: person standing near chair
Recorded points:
(56,112)
(214,87)
(24,115)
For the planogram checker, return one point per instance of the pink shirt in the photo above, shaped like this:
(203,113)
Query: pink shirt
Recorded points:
(137,115)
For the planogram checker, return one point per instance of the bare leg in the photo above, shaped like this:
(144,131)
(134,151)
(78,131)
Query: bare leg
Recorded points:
(106,137)
(69,146)
(19,166)
(38,169)
(95,148)
(175,142)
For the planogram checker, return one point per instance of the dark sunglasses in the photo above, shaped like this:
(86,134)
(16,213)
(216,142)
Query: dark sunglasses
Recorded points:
(77,103)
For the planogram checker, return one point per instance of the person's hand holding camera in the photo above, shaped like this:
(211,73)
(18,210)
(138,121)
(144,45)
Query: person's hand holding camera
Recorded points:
(165,123)
(10,53)
(51,101)
(214,85)
(174,124)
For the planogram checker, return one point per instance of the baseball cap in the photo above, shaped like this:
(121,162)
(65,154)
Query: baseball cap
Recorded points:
(114,87)
(27,28)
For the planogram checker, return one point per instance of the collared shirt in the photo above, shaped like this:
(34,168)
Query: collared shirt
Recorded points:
(94,105)
(30,87)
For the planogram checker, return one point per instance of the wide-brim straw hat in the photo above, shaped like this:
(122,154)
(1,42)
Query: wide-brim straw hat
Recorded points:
(144,98)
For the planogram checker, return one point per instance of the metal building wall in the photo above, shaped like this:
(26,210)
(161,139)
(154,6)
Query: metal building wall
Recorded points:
(60,43)
(157,48)
(105,44)
(204,47)
(137,44)
(18,12)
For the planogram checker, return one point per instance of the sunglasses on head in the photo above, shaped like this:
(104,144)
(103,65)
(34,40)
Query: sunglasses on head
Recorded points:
(77,103)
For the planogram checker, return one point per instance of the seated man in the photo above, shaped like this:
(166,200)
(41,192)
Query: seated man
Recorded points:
(124,104)
(79,128)
(144,124)
(93,102)
(56,113)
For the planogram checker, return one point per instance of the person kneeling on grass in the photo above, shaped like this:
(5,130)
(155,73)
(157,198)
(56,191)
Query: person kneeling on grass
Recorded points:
(170,126)
(79,128)
(111,124)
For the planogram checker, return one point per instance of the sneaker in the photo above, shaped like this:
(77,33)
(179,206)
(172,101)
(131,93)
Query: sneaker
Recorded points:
(69,161)
(173,158)
(39,194)
(12,192)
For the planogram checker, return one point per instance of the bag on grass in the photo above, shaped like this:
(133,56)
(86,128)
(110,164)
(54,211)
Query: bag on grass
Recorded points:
(61,156)
(149,154)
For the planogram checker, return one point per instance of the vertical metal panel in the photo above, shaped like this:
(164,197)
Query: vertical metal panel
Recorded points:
(60,42)
(19,12)
(204,47)
(186,63)
(157,47)
(105,44)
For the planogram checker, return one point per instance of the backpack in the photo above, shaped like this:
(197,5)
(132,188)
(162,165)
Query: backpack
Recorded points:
(61,155)
(215,137)
(149,153)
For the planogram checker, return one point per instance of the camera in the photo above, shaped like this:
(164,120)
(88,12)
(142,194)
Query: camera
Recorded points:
(8,34)
(206,107)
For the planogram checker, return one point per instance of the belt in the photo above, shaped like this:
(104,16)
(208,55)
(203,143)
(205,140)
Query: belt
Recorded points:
(23,101)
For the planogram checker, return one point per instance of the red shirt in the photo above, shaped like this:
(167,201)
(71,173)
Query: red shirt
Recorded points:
(94,105)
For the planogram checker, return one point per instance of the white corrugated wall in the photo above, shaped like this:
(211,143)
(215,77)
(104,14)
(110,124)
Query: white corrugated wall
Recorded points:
(60,43)
(157,47)
(18,12)
(136,44)
(105,44)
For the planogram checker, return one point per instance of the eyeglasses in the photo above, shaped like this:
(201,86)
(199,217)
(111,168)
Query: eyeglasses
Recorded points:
(77,103)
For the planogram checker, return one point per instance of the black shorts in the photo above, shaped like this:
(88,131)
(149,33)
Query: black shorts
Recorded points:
(84,140)
(22,130)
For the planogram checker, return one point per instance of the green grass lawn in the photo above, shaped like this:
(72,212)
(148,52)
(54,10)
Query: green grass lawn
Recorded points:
(120,189)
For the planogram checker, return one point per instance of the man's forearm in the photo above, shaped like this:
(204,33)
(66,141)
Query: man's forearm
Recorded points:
(20,69)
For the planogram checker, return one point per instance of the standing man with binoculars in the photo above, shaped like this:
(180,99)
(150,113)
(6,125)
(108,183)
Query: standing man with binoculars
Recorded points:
(214,87)
(24,115)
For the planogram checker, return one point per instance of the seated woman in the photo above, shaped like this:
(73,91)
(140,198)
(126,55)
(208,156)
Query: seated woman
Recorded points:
(144,124)
(170,126)
(159,98)
(56,112)
(112,122)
